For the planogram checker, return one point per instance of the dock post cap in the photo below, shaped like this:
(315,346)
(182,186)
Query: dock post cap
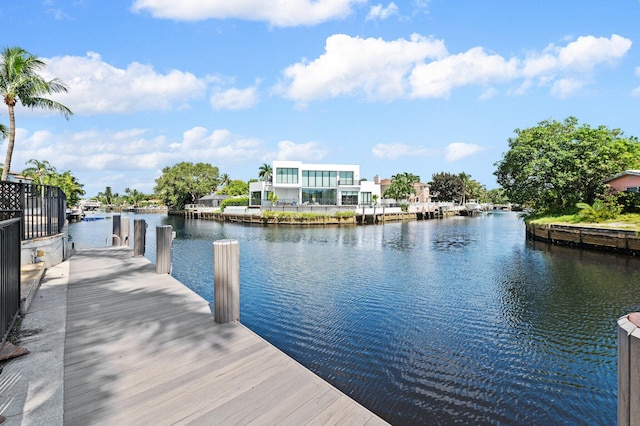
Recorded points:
(634,318)
(225,241)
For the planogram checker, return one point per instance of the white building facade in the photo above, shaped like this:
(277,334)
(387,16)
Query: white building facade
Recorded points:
(299,184)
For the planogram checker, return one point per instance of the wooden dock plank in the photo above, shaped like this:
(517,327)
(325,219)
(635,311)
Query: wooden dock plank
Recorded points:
(141,348)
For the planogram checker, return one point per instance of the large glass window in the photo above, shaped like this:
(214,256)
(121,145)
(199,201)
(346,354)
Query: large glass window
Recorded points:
(320,196)
(349,198)
(286,175)
(319,179)
(365,198)
(346,178)
(255,198)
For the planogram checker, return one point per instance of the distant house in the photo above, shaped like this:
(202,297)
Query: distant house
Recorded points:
(629,180)
(297,183)
(422,194)
(15,177)
(212,200)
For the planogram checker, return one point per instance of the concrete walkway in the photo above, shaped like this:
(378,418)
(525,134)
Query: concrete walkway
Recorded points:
(114,343)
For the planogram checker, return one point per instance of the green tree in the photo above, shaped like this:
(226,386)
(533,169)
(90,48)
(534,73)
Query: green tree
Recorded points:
(105,197)
(185,182)
(265,172)
(69,185)
(497,196)
(465,180)
(19,80)
(555,165)
(133,196)
(234,188)
(40,171)
(446,186)
(225,180)
(401,186)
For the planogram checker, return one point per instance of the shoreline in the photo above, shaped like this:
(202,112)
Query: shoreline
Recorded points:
(615,240)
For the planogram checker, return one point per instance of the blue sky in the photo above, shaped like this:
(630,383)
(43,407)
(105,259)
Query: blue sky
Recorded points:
(419,86)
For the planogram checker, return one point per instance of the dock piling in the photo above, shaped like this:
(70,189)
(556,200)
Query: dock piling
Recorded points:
(629,369)
(139,237)
(164,244)
(226,281)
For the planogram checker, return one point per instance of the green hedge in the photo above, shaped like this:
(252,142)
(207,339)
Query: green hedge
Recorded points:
(240,201)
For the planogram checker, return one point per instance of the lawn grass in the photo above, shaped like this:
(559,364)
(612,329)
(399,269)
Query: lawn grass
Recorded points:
(627,221)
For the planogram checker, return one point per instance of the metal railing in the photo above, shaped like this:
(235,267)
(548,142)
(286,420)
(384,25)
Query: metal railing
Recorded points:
(40,208)
(9,274)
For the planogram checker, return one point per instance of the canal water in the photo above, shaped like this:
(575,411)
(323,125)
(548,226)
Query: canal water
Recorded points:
(458,320)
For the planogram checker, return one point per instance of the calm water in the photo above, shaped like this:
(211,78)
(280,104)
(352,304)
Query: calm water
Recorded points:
(434,322)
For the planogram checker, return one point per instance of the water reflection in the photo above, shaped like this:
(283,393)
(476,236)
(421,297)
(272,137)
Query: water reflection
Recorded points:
(434,322)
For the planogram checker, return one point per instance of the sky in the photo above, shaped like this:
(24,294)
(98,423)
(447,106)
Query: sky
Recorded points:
(417,86)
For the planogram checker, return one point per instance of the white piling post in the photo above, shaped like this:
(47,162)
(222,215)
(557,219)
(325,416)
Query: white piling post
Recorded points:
(226,281)
(125,230)
(164,244)
(139,237)
(115,230)
(629,370)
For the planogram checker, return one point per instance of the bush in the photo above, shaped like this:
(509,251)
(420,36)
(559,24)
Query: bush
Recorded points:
(238,201)
(630,201)
(345,214)
(600,211)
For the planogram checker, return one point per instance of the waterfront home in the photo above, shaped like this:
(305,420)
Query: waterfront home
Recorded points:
(629,180)
(422,194)
(300,184)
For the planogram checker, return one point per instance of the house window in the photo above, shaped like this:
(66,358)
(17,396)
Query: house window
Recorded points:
(349,198)
(286,175)
(255,198)
(319,179)
(366,198)
(346,178)
(319,196)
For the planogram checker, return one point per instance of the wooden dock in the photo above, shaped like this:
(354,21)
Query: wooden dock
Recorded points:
(142,348)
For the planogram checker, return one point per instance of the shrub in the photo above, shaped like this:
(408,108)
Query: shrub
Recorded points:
(236,201)
(600,211)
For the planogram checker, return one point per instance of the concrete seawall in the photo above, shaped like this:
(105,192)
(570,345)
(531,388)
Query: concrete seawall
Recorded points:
(611,240)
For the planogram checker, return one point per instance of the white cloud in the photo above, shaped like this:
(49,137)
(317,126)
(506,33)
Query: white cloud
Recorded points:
(570,68)
(588,52)
(566,87)
(220,145)
(381,12)
(234,99)
(133,149)
(421,67)
(96,87)
(287,150)
(473,67)
(397,150)
(371,67)
(458,150)
(283,13)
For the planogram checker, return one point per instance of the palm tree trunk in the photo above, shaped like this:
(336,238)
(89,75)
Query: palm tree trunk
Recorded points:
(12,139)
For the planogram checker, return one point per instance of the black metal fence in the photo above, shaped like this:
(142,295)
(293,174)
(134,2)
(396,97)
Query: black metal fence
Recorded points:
(40,208)
(9,274)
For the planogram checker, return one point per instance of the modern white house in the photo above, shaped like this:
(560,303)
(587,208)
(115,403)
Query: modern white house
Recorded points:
(299,184)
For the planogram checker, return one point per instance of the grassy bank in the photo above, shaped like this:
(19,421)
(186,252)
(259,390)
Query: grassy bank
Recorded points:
(630,221)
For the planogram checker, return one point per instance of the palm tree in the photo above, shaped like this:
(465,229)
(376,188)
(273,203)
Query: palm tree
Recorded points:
(225,180)
(19,80)
(465,179)
(41,170)
(265,172)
